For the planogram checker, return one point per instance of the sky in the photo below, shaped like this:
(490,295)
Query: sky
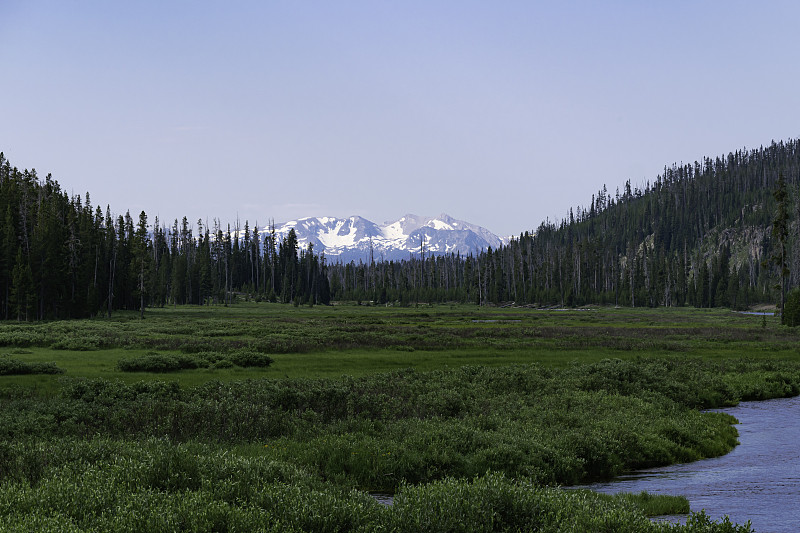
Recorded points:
(502,114)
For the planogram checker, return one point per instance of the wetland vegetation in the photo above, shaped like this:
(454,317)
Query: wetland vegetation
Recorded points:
(473,417)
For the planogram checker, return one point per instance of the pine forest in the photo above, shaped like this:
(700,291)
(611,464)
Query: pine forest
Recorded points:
(722,232)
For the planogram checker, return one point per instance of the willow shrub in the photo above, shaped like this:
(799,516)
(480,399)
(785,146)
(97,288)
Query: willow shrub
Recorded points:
(160,363)
(456,444)
(155,485)
(554,426)
(110,495)
(10,367)
(157,362)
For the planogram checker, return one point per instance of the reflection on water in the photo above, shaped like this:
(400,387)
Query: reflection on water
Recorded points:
(383,498)
(758,481)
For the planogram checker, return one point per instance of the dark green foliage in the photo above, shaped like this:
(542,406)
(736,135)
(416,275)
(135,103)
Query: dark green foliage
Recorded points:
(553,426)
(249,359)
(105,485)
(172,469)
(78,344)
(10,367)
(467,448)
(62,258)
(651,505)
(156,362)
(153,485)
(791,313)
(695,235)
(21,338)
(494,503)
(780,231)
(211,358)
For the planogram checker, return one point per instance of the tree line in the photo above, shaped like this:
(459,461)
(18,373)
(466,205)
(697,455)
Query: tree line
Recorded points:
(720,232)
(708,234)
(62,257)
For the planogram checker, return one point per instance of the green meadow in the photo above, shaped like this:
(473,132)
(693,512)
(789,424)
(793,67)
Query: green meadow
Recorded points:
(332,341)
(268,417)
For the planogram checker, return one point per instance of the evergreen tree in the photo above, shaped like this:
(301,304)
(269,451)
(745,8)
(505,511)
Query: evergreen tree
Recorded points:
(8,245)
(140,260)
(780,230)
(23,295)
(289,267)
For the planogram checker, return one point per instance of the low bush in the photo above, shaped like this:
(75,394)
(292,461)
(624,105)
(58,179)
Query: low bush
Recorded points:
(79,344)
(10,367)
(495,503)
(246,358)
(242,358)
(211,357)
(155,485)
(21,337)
(156,362)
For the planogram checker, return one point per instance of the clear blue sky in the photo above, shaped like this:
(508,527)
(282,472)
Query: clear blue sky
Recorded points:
(499,113)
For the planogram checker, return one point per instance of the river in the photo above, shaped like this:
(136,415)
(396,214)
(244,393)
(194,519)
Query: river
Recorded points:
(758,481)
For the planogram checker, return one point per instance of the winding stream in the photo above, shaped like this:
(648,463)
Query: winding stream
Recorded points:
(758,481)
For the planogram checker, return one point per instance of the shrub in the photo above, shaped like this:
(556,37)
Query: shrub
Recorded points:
(495,503)
(78,344)
(172,469)
(248,358)
(156,362)
(211,357)
(21,338)
(9,367)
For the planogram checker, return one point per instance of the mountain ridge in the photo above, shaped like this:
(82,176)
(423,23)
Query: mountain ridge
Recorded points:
(356,238)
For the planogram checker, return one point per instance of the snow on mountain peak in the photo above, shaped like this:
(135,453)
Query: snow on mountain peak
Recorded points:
(350,239)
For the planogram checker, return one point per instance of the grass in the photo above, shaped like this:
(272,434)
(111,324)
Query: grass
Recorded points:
(358,341)
(461,411)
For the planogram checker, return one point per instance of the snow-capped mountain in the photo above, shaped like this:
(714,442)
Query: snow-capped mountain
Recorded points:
(349,239)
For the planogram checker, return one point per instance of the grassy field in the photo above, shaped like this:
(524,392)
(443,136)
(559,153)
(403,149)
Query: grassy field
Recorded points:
(357,340)
(471,416)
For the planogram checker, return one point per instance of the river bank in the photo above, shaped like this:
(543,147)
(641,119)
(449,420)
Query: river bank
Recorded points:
(759,480)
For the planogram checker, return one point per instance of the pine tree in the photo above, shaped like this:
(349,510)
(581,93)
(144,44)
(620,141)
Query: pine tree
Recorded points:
(7,247)
(780,230)
(288,263)
(23,292)
(110,258)
(140,261)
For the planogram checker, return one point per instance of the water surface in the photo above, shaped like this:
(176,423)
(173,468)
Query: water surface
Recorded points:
(758,481)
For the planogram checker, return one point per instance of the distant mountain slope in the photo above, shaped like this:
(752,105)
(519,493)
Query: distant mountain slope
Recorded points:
(699,234)
(350,239)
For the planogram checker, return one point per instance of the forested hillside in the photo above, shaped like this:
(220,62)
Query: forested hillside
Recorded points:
(61,257)
(700,234)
